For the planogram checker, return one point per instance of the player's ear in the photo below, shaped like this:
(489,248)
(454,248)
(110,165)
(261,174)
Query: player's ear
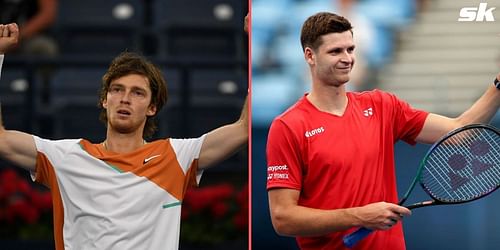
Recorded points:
(104,103)
(151,110)
(309,55)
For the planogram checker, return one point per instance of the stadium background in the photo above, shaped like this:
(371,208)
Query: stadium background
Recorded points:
(203,52)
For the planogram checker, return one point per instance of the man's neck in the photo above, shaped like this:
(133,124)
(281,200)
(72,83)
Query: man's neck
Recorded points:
(330,99)
(123,143)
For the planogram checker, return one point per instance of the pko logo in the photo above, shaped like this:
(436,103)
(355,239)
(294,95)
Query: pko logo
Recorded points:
(478,14)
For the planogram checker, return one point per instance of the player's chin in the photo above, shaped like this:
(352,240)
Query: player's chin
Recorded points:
(343,79)
(123,127)
(343,74)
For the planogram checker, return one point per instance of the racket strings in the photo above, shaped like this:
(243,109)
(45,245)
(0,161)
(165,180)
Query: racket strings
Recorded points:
(485,182)
(478,183)
(474,178)
(463,167)
(485,158)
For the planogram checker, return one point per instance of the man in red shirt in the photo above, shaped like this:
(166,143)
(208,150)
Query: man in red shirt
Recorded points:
(331,155)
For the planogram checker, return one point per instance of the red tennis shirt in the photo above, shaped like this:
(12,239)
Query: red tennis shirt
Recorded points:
(342,161)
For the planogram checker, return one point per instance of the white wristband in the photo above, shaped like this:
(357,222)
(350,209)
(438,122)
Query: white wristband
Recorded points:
(1,62)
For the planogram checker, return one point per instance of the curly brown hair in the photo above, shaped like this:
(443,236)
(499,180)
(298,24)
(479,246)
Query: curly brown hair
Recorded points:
(322,23)
(132,63)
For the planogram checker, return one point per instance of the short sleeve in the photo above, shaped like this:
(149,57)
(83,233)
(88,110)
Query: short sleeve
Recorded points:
(188,152)
(49,154)
(284,162)
(408,121)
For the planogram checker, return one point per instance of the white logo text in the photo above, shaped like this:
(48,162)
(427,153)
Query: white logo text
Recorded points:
(478,14)
(271,172)
(314,132)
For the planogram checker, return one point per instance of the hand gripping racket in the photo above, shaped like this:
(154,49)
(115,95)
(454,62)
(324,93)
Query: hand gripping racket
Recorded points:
(462,166)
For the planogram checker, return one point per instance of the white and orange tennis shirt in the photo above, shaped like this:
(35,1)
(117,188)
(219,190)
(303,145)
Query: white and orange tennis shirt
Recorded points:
(105,200)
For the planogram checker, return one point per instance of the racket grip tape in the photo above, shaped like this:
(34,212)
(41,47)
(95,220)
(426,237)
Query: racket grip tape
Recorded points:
(351,239)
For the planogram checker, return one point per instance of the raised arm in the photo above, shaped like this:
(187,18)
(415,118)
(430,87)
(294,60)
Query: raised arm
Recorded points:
(291,219)
(15,146)
(481,111)
(224,141)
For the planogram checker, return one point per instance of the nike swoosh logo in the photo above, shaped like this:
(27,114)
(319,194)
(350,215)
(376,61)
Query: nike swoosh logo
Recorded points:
(150,158)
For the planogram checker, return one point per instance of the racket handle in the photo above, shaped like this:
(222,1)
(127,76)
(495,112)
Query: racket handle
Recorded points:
(351,239)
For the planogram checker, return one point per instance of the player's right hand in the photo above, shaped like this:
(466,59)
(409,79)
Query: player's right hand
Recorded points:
(381,215)
(9,36)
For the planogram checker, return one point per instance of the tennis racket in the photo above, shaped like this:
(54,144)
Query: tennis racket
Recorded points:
(464,165)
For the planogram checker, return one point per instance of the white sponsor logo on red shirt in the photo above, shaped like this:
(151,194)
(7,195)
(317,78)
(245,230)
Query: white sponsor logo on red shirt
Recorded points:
(314,132)
(368,112)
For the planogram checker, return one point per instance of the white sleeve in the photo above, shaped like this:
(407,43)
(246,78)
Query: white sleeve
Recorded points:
(188,150)
(54,150)
(1,62)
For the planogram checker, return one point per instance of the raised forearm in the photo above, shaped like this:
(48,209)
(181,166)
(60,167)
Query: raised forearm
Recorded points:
(222,142)
(244,114)
(483,109)
(17,147)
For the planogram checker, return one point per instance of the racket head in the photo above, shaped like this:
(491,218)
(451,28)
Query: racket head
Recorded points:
(462,166)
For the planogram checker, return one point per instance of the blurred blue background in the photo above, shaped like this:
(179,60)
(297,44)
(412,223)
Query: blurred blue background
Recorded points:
(413,48)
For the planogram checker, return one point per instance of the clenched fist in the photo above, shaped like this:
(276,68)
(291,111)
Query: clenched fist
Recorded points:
(9,36)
